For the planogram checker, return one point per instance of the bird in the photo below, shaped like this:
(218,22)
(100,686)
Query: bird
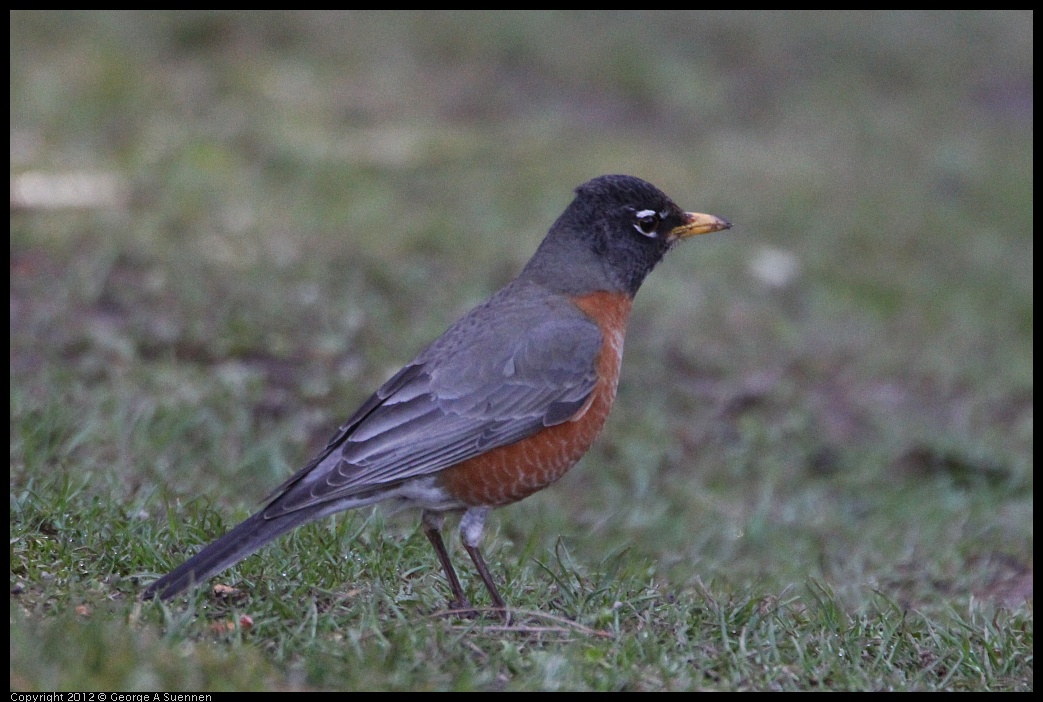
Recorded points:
(498,407)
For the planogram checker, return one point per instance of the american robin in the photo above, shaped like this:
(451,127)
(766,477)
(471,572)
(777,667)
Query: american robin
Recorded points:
(500,405)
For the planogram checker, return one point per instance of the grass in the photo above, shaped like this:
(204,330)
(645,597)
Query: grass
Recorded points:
(818,474)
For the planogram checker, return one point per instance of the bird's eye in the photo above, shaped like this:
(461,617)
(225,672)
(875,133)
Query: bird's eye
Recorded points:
(646,222)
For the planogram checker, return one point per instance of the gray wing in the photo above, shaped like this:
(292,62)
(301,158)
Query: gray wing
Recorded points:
(514,365)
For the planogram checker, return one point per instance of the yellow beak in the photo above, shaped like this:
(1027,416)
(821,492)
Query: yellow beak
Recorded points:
(697,223)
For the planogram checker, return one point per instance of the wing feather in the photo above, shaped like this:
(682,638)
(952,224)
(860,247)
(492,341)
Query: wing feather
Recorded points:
(479,386)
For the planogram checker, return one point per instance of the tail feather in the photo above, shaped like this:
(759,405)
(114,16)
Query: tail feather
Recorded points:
(228,550)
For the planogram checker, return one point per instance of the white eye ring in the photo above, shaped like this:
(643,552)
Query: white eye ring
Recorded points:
(647,223)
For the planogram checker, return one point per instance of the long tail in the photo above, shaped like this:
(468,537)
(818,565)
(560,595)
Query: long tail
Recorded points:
(228,550)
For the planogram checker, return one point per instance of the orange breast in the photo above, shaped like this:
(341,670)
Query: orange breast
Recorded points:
(510,473)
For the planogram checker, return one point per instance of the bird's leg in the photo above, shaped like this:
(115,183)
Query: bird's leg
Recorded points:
(471,534)
(432,522)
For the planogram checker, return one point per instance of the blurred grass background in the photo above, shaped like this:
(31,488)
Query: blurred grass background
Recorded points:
(228,228)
